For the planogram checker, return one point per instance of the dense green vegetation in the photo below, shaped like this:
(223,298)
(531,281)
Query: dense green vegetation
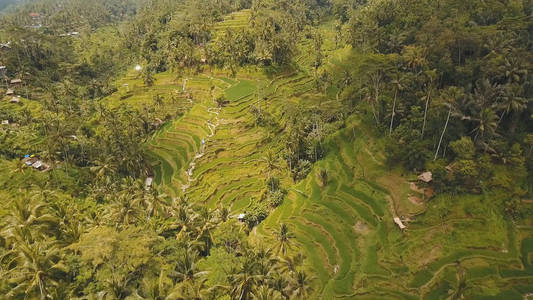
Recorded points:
(282,137)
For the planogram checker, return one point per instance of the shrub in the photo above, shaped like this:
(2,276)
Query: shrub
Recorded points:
(255,214)
(275,198)
(301,170)
(463,148)
(323,177)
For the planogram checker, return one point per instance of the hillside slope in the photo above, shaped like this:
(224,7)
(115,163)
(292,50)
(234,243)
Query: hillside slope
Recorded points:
(344,227)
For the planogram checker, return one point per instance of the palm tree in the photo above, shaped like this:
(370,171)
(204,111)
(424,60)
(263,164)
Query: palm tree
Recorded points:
(222,213)
(245,280)
(284,237)
(511,102)
(414,57)
(155,288)
(271,161)
(205,224)
(35,265)
(266,262)
(27,219)
(487,122)
(125,209)
(266,293)
(345,81)
(450,95)
(105,167)
(301,285)
(186,269)
(513,69)
(155,203)
(280,283)
(486,94)
(288,264)
(188,290)
(184,215)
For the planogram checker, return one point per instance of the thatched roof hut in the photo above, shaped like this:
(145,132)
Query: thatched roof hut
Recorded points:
(426,177)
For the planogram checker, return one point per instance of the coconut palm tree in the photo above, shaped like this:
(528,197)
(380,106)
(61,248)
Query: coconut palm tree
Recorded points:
(301,286)
(487,122)
(222,213)
(186,269)
(288,264)
(246,279)
(513,69)
(125,209)
(184,215)
(35,266)
(154,288)
(414,57)
(188,290)
(511,102)
(266,262)
(284,239)
(450,96)
(104,167)
(271,161)
(205,223)
(486,94)
(27,219)
(281,284)
(266,293)
(155,203)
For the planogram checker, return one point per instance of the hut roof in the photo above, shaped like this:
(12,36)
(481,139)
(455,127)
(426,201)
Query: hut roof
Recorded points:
(14,100)
(15,81)
(399,223)
(148,182)
(426,177)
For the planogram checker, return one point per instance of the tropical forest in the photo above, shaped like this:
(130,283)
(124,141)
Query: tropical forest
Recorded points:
(266,149)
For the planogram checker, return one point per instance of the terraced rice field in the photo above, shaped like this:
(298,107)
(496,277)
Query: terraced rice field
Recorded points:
(345,228)
(236,20)
(174,148)
(356,251)
(229,168)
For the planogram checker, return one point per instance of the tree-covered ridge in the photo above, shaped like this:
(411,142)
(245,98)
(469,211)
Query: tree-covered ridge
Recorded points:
(445,71)
(261,149)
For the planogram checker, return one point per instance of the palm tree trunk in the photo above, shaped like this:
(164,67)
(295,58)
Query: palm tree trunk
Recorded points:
(500,119)
(442,135)
(377,99)
(425,115)
(393,111)
(374,113)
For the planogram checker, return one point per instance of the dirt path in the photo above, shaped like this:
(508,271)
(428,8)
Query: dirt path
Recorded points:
(212,127)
